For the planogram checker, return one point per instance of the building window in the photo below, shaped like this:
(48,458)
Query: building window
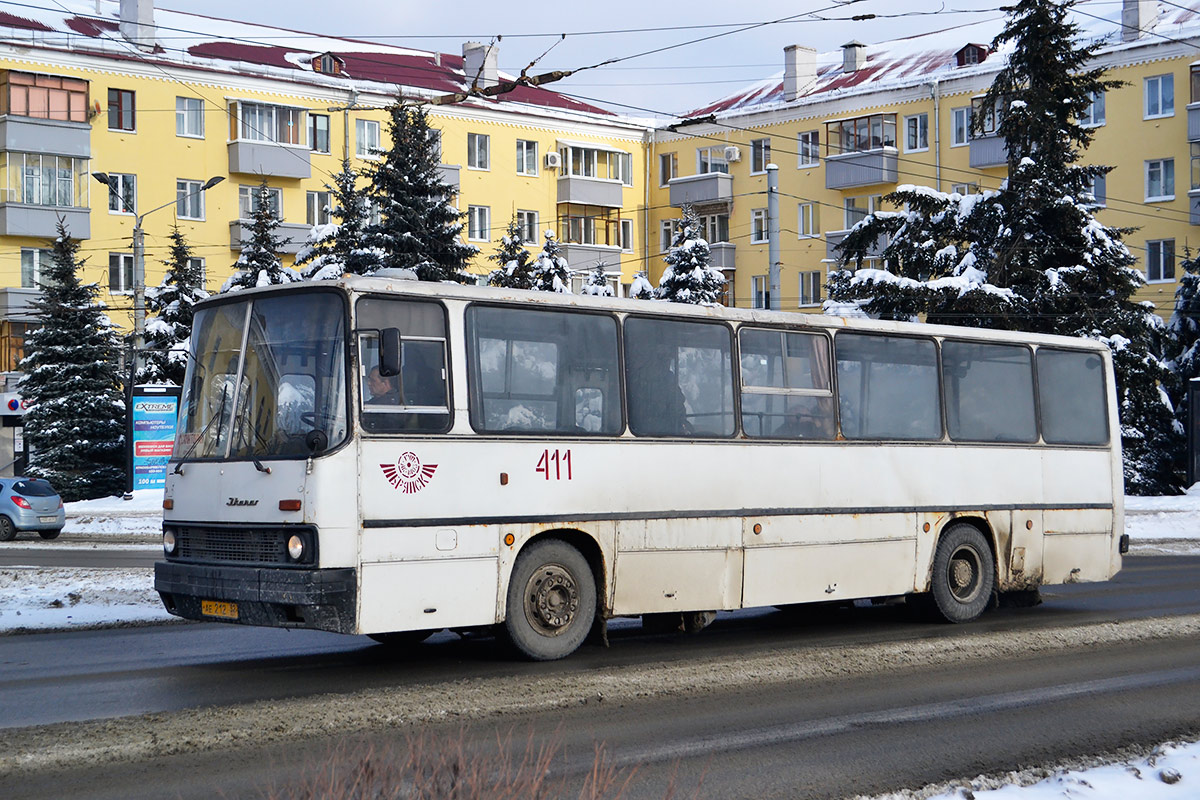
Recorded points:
(857,208)
(809,148)
(964,188)
(860,134)
(120,110)
(960,126)
(578,228)
(122,193)
(810,288)
(808,221)
(715,227)
(478,151)
(916,133)
(120,272)
(760,155)
(621,165)
(189,199)
(668,168)
(1094,114)
(248,201)
(1098,189)
(189,117)
(761,292)
(1195,165)
(986,116)
(318,133)
(366,138)
(527,157)
(42,180)
(625,233)
(1160,96)
(1160,260)
(667,233)
(478,223)
(260,122)
(527,221)
(25,94)
(197,266)
(711,159)
(1160,179)
(33,262)
(758,226)
(318,204)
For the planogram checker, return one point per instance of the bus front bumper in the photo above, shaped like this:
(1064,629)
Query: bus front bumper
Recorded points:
(322,599)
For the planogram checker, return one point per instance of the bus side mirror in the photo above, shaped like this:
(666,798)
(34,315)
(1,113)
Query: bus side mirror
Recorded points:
(389,352)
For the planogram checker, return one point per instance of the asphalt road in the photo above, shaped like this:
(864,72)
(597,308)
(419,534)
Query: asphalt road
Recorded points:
(97,556)
(827,738)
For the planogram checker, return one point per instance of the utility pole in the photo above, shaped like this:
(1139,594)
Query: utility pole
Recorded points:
(346,109)
(773,235)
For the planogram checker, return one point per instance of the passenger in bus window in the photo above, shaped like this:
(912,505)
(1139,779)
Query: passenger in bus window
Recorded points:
(384,391)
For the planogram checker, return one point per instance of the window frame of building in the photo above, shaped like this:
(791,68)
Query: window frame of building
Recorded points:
(808,149)
(668,168)
(715,228)
(37,96)
(916,133)
(122,110)
(759,231)
(317,207)
(528,222)
(666,230)
(479,151)
(1160,261)
(810,284)
(760,156)
(808,224)
(120,267)
(1157,104)
(248,196)
(851,208)
(479,220)
(960,123)
(1094,115)
(200,268)
(760,291)
(625,235)
(189,199)
(964,189)
(1164,169)
(31,277)
(122,197)
(189,117)
(1195,164)
(253,121)
(318,132)
(66,178)
(527,157)
(366,139)
(707,162)
(620,165)
(865,134)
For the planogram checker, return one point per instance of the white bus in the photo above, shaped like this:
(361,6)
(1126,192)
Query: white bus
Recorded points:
(393,458)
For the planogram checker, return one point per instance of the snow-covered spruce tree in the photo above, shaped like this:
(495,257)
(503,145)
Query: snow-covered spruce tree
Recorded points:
(516,263)
(688,277)
(418,229)
(1183,337)
(75,422)
(641,288)
(171,303)
(1030,256)
(339,247)
(258,265)
(551,273)
(597,283)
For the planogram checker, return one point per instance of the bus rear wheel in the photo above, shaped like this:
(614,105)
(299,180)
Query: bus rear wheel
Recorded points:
(551,601)
(964,574)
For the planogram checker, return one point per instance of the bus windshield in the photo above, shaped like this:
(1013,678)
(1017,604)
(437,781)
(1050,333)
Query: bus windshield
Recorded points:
(267,379)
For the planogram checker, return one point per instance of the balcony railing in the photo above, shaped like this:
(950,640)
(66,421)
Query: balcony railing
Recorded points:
(722,255)
(449,173)
(293,235)
(866,168)
(587,256)
(52,136)
(697,190)
(988,151)
(22,219)
(589,191)
(270,159)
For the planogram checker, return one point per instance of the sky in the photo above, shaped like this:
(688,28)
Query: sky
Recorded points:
(688,75)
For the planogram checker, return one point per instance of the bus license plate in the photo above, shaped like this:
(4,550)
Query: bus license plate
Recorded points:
(213,608)
(47,519)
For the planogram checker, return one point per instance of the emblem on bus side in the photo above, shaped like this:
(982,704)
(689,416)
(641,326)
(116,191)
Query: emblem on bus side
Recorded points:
(408,474)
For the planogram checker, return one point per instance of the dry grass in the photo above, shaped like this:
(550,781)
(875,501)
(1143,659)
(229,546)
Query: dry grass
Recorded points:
(432,767)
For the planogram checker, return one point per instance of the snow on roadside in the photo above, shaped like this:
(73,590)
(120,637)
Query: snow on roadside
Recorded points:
(112,516)
(67,598)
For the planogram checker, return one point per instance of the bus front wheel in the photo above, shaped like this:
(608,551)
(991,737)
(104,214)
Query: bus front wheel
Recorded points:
(963,574)
(551,601)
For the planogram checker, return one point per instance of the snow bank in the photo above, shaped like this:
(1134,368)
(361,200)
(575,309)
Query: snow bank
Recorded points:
(68,598)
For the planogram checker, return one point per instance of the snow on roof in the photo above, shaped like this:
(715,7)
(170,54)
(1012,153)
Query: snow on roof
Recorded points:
(923,57)
(200,42)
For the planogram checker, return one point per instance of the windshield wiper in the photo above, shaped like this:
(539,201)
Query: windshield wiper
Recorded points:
(220,413)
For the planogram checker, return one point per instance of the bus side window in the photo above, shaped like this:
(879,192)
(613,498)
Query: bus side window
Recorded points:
(679,378)
(418,399)
(786,392)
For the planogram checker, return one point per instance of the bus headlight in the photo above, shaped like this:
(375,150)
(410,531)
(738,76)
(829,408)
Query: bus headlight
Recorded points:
(295,547)
(169,542)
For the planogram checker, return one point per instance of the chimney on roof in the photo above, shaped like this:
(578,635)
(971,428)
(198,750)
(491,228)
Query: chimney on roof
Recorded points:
(799,70)
(479,64)
(137,23)
(854,56)
(1136,16)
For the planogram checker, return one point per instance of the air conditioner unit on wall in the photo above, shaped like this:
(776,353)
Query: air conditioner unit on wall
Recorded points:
(732,153)
(553,160)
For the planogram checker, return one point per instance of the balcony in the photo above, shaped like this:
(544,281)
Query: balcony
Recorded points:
(589,191)
(834,238)
(866,168)
(449,173)
(587,256)
(989,151)
(1194,206)
(698,190)
(22,219)
(1193,114)
(46,136)
(292,234)
(16,304)
(722,255)
(270,159)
